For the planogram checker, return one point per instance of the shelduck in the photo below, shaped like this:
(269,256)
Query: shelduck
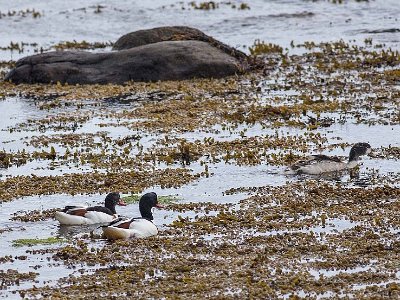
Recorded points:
(80,215)
(318,164)
(140,227)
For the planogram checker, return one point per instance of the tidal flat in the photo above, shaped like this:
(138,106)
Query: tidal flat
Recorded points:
(241,228)
(234,225)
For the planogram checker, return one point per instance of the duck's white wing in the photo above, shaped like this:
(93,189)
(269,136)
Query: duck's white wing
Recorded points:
(80,216)
(99,217)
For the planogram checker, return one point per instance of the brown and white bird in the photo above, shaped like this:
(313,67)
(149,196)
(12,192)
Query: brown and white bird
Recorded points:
(318,164)
(140,227)
(81,215)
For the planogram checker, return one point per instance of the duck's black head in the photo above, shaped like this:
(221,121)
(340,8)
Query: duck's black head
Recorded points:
(358,150)
(112,200)
(146,203)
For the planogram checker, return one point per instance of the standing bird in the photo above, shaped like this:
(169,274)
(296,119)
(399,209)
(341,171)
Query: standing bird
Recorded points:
(81,215)
(139,227)
(318,164)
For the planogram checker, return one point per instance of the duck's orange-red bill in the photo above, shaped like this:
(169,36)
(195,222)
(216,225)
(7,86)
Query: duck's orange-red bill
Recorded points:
(159,206)
(121,202)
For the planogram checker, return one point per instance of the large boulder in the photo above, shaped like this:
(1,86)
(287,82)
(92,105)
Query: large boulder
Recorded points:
(172,33)
(166,60)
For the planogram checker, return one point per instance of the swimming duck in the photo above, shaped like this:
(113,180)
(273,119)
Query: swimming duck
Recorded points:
(318,164)
(81,215)
(141,227)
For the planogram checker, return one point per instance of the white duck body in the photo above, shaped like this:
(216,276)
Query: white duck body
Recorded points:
(138,228)
(91,217)
(81,215)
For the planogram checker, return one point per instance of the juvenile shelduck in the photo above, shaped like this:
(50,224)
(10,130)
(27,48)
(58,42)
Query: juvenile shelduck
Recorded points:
(80,215)
(141,227)
(318,164)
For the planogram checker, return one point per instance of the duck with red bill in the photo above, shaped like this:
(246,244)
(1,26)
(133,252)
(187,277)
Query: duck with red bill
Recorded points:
(139,227)
(81,215)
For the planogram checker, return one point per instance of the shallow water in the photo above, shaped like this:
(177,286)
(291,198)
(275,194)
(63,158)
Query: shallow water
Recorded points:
(224,176)
(277,22)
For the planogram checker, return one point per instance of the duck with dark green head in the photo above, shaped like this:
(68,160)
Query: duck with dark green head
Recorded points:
(139,227)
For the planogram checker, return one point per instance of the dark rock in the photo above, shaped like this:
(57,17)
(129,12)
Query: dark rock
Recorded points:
(164,53)
(385,30)
(172,33)
(168,60)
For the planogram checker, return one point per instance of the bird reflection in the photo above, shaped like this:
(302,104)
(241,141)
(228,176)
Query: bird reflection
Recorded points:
(89,231)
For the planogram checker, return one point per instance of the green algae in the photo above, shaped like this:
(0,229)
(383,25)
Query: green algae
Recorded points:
(37,241)
(163,199)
